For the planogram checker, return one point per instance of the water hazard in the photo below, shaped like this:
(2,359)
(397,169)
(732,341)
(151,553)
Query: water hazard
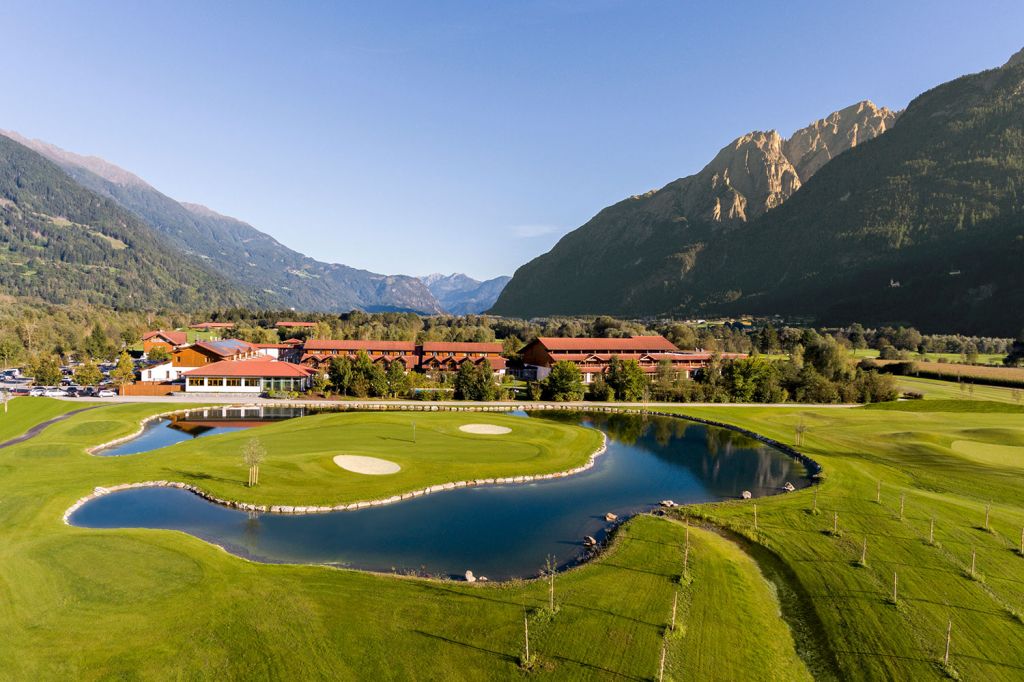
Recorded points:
(495,531)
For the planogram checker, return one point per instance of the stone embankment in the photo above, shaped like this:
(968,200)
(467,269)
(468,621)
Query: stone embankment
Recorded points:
(813,468)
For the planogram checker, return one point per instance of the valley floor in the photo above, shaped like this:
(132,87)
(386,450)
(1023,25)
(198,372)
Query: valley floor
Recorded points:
(784,600)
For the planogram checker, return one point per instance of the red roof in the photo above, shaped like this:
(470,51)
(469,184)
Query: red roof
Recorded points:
(174,338)
(292,323)
(461,347)
(359,344)
(634,344)
(273,345)
(293,342)
(250,368)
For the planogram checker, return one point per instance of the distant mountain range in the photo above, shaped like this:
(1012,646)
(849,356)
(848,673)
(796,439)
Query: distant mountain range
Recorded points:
(459,294)
(862,216)
(262,270)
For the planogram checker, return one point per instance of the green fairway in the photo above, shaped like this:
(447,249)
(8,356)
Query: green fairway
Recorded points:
(24,413)
(299,467)
(98,604)
(952,390)
(945,465)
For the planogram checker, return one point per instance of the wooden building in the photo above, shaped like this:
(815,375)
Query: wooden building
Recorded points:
(431,357)
(168,340)
(593,355)
(446,356)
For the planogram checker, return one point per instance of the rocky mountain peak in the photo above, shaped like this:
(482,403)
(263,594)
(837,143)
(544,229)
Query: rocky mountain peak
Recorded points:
(746,178)
(810,148)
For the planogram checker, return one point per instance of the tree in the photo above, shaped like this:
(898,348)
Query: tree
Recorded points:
(397,380)
(10,351)
(124,372)
(599,390)
(321,383)
(45,371)
(627,379)
(564,383)
(158,354)
(1015,357)
(342,374)
(88,374)
(253,454)
(474,382)
(97,345)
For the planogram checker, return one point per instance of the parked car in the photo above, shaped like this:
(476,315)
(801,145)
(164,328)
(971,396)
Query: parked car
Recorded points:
(106,393)
(37,392)
(55,393)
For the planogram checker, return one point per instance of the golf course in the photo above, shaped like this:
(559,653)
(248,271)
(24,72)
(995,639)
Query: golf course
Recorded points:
(792,586)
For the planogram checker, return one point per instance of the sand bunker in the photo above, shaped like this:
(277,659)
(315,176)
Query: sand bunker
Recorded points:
(366,465)
(485,429)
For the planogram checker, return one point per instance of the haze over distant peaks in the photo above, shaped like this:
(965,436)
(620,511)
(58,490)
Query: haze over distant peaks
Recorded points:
(460,294)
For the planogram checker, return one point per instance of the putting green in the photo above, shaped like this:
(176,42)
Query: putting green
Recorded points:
(991,453)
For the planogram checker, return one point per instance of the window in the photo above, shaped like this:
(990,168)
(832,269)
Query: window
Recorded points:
(233,382)
(195,381)
(215,381)
(252,382)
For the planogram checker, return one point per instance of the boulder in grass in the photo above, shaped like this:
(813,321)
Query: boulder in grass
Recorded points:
(611,517)
(589,541)
(789,487)
(470,578)
(668,503)
(746,495)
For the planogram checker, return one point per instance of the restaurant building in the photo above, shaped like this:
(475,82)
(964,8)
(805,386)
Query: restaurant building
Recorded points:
(247,376)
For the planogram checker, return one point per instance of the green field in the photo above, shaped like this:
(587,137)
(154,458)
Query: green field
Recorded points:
(143,604)
(983,358)
(299,468)
(952,390)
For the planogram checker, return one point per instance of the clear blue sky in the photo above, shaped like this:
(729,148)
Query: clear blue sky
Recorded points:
(457,136)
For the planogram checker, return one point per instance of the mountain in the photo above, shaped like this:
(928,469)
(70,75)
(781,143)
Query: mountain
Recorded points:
(460,294)
(630,258)
(274,275)
(65,244)
(924,225)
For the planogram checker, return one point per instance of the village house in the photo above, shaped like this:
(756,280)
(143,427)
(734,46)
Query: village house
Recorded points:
(168,340)
(249,375)
(198,354)
(593,355)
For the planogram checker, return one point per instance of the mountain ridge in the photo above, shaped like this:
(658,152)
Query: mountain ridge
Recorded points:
(672,226)
(275,275)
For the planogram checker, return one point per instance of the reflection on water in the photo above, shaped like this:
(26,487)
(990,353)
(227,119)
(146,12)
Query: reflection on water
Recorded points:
(497,531)
(212,421)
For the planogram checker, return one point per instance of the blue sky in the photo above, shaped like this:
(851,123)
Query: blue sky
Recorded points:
(416,137)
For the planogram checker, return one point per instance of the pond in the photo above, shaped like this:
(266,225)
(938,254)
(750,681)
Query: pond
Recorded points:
(495,531)
(196,423)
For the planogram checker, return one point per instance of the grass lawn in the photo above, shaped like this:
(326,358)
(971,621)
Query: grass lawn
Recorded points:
(947,465)
(24,413)
(951,390)
(299,468)
(92,604)
(983,358)
(95,604)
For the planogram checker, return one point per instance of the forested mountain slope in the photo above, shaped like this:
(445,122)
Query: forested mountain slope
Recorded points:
(630,257)
(64,243)
(922,225)
(270,272)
